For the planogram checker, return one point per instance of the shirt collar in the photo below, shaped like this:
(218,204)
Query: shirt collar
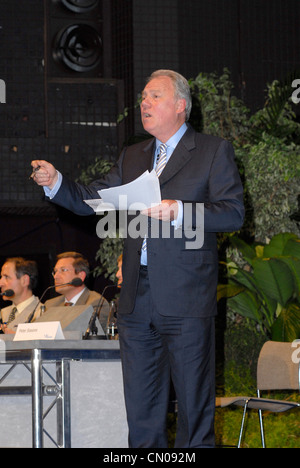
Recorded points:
(174,140)
(22,306)
(75,298)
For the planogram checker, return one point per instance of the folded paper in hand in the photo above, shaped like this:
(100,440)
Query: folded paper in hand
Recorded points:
(140,194)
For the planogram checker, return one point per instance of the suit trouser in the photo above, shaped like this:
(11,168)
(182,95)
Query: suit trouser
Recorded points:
(154,346)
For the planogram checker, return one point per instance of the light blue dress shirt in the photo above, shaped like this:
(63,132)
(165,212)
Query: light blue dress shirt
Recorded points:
(171,145)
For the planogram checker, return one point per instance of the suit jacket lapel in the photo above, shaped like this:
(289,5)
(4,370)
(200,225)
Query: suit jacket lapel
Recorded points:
(139,162)
(179,158)
(83,298)
(149,152)
(24,316)
(181,155)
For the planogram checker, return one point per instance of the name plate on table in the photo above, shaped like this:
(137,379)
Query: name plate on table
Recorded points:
(39,331)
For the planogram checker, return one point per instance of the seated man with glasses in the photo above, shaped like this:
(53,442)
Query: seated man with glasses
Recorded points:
(71,266)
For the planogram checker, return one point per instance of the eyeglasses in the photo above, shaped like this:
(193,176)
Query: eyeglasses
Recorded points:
(60,270)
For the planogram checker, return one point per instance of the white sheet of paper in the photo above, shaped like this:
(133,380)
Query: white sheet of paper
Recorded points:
(139,194)
(99,206)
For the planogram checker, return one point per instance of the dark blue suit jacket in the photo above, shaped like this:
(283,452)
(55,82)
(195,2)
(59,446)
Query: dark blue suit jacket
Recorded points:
(201,170)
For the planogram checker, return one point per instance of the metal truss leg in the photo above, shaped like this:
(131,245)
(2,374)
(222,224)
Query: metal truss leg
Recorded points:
(37,399)
(63,404)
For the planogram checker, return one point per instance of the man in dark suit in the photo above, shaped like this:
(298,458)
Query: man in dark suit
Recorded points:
(168,297)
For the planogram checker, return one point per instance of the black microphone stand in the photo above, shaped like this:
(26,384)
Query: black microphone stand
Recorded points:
(40,300)
(92,323)
(75,282)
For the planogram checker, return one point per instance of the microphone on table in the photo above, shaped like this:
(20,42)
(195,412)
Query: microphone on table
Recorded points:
(8,293)
(75,282)
(91,326)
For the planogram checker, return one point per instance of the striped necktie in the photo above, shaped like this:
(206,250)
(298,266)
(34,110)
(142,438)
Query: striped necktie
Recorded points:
(160,165)
(162,159)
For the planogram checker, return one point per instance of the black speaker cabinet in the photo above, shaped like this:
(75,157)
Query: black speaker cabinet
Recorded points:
(74,42)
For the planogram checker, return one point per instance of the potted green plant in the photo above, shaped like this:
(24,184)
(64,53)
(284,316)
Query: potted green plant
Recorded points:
(265,287)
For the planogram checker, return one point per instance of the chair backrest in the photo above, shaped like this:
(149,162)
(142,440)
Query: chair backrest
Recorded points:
(277,368)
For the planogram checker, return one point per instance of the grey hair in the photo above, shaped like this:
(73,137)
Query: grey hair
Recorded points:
(181,85)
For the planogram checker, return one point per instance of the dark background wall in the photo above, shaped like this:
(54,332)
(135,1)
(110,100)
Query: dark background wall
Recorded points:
(63,95)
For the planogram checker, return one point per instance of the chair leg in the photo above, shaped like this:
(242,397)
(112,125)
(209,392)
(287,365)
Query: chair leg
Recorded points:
(242,425)
(260,415)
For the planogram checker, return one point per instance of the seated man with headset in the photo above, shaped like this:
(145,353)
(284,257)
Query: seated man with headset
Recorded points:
(72,266)
(18,279)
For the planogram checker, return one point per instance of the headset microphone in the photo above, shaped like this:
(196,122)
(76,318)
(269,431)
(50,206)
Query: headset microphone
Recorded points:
(8,293)
(75,282)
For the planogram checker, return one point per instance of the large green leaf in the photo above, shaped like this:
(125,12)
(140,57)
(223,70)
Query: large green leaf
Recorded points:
(287,326)
(228,290)
(292,248)
(247,251)
(246,305)
(275,278)
(294,266)
(244,278)
(278,244)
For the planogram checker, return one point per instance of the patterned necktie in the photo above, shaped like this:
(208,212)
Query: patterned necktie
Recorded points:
(12,315)
(68,304)
(162,160)
(160,165)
